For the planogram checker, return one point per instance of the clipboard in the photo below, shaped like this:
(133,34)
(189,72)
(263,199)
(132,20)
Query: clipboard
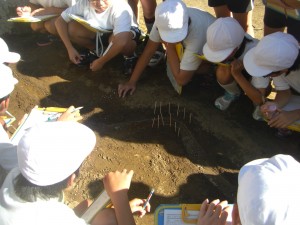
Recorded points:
(101,202)
(36,115)
(87,25)
(181,214)
(294,127)
(31,19)
(179,51)
(9,119)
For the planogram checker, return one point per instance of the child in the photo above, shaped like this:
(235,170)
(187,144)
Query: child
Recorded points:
(226,42)
(44,7)
(112,15)
(174,23)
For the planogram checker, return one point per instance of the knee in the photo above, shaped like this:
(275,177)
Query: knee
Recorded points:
(36,26)
(223,75)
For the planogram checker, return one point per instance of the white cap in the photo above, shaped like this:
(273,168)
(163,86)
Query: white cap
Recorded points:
(269,191)
(6,55)
(50,152)
(171,20)
(222,37)
(7,81)
(274,52)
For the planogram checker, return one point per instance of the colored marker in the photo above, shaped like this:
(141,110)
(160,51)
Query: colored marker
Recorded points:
(148,198)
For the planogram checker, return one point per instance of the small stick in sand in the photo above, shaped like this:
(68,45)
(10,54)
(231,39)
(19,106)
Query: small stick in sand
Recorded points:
(154,108)
(170,119)
(153,122)
(162,120)
(178,131)
(157,121)
(160,107)
(169,108)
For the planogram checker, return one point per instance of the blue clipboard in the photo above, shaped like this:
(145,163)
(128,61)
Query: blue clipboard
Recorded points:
(159,214)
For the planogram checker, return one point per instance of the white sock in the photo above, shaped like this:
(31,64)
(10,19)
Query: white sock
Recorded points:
(231,88)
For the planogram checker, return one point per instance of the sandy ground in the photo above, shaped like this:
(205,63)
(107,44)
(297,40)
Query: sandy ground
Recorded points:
(199,158)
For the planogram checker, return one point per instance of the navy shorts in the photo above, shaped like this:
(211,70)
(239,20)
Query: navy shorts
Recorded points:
(134,30)
(235,6)
(274,19)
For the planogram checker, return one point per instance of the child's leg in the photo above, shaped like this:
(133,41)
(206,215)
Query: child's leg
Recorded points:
(245,20)
(38,27)
(223,75)
(50,26)
(148,11)
(273,21)
(81,36)
(222,11)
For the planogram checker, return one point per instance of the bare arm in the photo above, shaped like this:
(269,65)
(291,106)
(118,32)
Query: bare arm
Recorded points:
(281,119)
(138,69)
(47,11)
(117,185)
(62,29)
(256,95)
(118,43)
(282,98)
(182,77)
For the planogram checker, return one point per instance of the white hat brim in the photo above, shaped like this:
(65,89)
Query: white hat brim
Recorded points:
(10,57)
(216,56)
(251,66)
(174,36)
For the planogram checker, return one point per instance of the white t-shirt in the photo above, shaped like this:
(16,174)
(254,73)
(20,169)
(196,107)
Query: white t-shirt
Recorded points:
(281,82)
(117,17)
(14,211)
(54,3)
(248,46)
(8,152)
(195,39)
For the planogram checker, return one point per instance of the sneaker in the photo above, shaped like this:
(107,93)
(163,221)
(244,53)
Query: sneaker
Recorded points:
(44,40)
(283,133)
(257,115)
(156,58)
(129,64)
(87,57)
(224,101)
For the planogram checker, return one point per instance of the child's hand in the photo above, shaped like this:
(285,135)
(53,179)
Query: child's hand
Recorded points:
(70,115)
(214,213)
(115,182)
(236,67)
(23,11)
(269,109)
(136,206)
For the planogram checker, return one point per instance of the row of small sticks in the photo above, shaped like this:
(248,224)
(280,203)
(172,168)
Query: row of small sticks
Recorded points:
(160,116)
